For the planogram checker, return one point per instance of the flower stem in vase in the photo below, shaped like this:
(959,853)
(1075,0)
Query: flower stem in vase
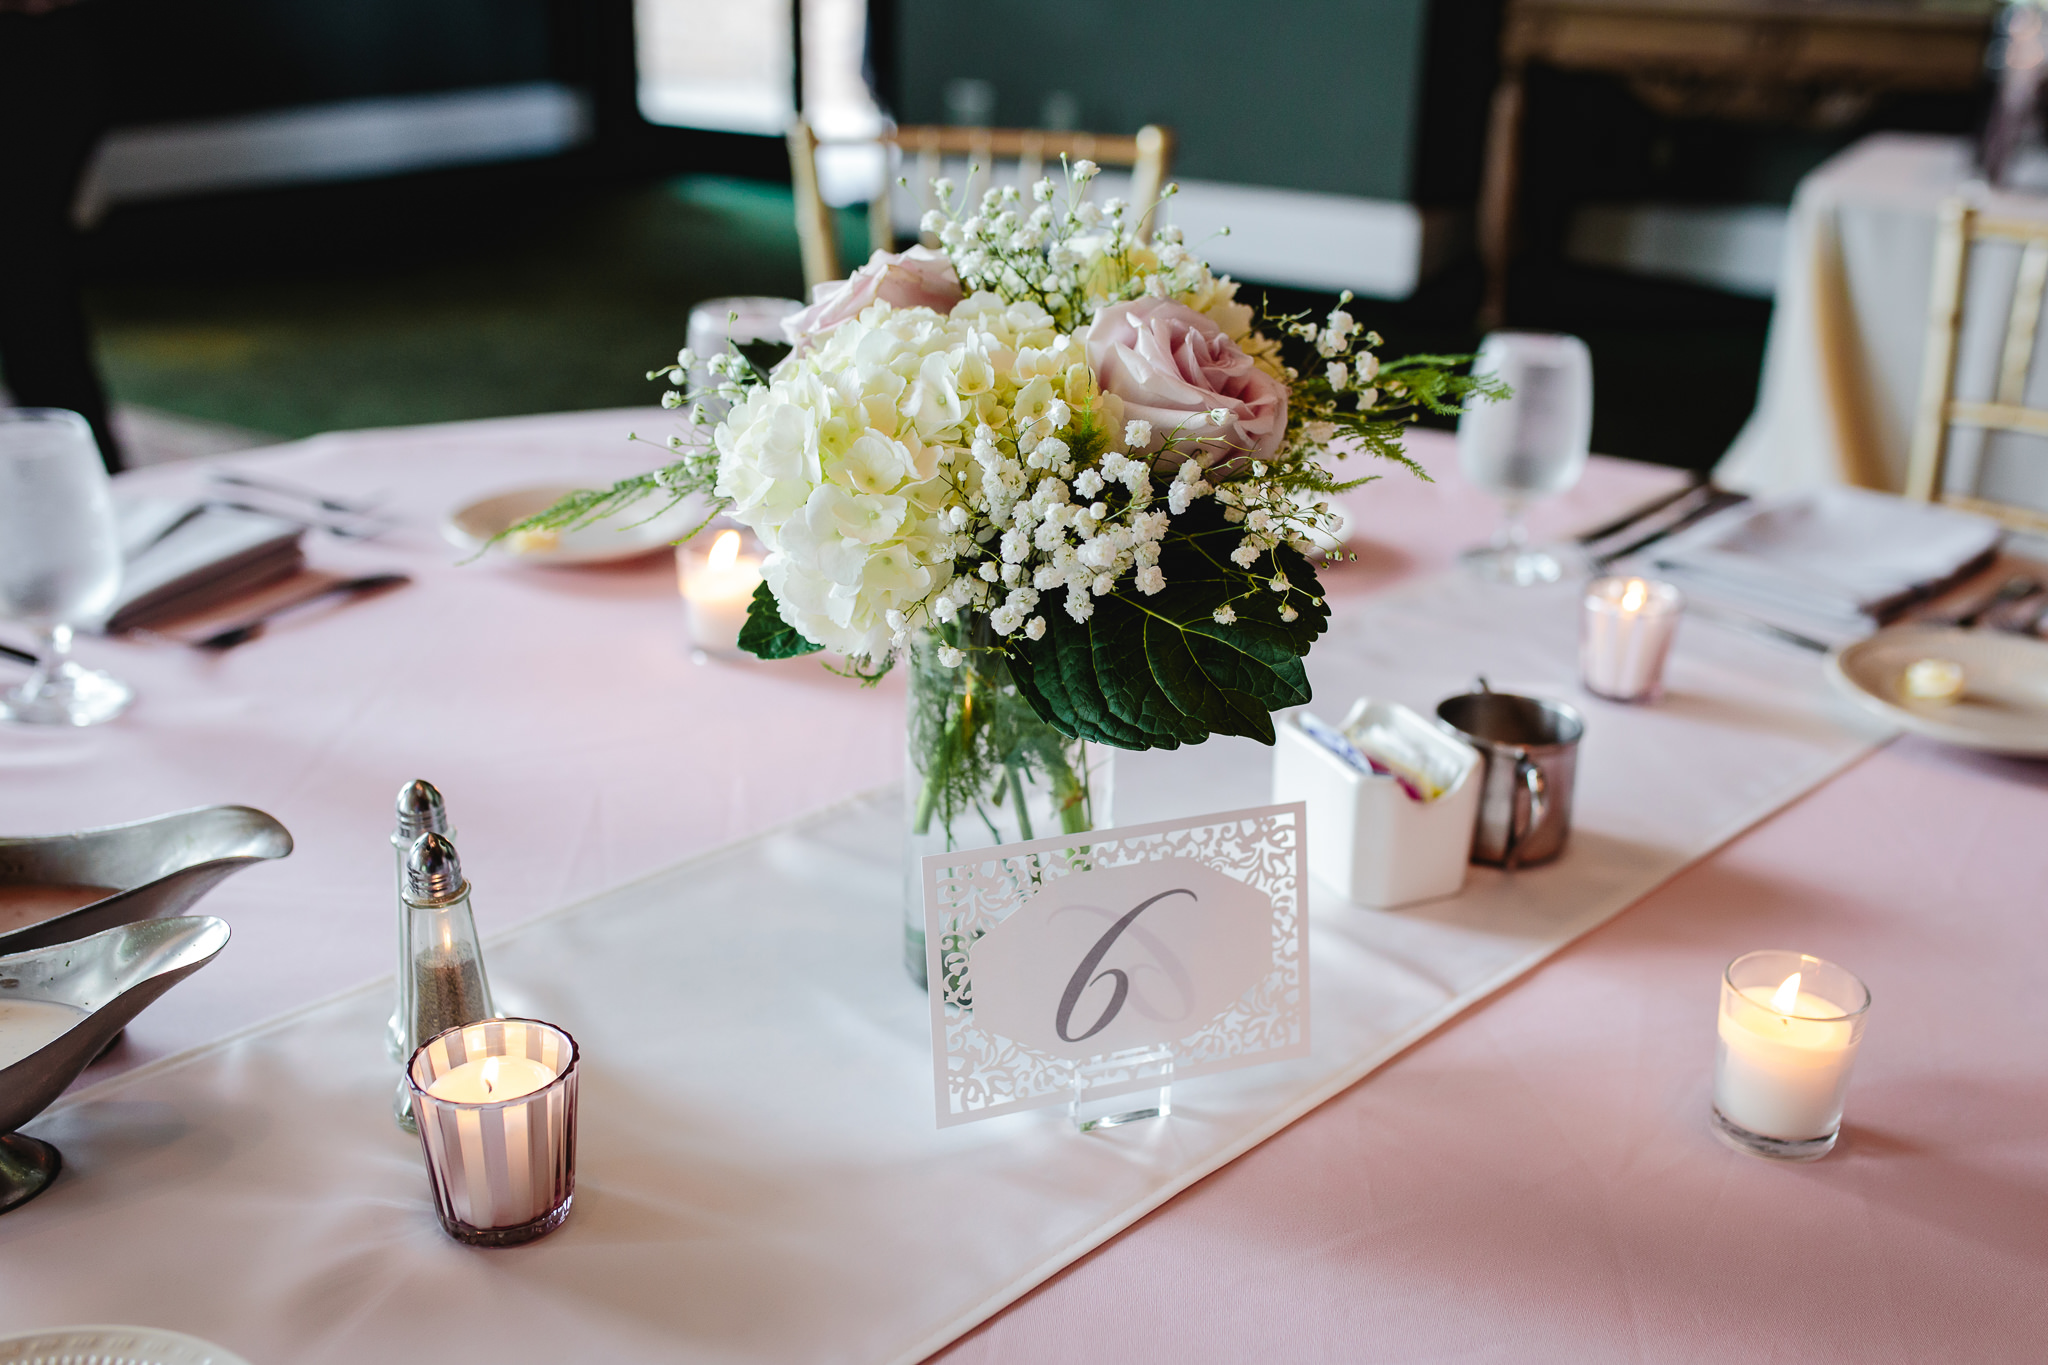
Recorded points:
(982,767)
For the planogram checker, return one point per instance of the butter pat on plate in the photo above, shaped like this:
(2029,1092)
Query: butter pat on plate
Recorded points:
(1939,680)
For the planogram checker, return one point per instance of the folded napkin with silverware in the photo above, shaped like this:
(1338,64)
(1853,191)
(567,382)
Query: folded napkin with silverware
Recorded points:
(1846,558)
(181,558)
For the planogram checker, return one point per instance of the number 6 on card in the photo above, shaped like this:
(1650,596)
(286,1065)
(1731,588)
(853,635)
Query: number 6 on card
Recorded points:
(1146,955)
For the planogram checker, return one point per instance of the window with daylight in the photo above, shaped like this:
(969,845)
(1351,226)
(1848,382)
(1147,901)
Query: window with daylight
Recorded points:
(731,66)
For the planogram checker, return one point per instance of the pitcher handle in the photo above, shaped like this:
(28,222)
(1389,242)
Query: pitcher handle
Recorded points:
(1531,778)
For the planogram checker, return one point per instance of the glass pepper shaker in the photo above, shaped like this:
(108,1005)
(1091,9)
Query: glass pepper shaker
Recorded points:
(420,811)
(444,965)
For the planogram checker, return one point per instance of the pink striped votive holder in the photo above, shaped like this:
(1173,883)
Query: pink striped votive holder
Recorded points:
(496,1104)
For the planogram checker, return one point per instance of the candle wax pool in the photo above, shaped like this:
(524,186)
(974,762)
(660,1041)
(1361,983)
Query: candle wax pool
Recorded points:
(491,1079)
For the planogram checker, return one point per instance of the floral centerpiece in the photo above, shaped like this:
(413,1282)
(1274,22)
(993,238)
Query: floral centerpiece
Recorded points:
(1060,469)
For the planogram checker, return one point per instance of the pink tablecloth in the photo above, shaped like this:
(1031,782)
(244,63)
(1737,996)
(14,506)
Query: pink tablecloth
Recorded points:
(1536,1183)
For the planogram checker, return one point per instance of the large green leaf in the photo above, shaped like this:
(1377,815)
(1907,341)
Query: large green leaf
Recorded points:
(1060,683)
(766,635)
(1159,671)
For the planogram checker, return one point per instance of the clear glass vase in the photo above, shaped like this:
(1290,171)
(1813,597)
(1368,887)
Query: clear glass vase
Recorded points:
(982,768)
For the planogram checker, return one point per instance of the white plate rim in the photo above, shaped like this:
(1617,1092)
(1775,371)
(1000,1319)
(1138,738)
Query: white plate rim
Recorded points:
(95,1336)
(630,546)
(1919,723)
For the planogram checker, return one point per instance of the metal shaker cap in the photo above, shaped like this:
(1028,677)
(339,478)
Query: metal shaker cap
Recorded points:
(420,811)
(433,872)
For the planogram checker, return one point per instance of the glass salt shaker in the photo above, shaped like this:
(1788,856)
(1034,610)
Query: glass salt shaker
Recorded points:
(444,965)
(420,811)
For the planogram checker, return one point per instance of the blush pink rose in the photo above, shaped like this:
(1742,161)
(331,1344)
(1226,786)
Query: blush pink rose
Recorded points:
(917,278)
(1173,367)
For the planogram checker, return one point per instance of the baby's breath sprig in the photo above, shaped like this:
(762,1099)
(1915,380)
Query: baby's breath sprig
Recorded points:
(692,469)
(1348,401)
(1067,254)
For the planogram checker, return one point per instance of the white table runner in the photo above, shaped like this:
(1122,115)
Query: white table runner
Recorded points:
(759,1175)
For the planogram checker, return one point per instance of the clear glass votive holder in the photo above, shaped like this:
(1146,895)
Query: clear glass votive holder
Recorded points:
(1625,630)
(1789,1027)
(503,1170)
(717,571)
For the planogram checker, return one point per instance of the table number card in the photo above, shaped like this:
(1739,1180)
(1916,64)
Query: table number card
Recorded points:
(1185,940)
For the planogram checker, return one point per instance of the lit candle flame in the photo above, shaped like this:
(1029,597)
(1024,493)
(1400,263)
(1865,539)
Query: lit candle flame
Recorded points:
(490,1072)
(1787,998)
(725,552)
(1634,595)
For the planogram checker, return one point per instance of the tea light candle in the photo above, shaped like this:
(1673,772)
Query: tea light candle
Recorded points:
(717,588)
(496,1105)
(1626,627)
(492,1079)
(1789,1028)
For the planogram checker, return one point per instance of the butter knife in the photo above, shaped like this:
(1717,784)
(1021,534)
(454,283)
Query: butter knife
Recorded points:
(250,629)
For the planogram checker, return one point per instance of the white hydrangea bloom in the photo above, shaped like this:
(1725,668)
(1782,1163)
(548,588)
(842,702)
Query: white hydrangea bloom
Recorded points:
(835,465)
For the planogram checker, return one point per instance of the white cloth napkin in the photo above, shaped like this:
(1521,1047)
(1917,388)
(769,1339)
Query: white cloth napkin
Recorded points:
(174,568)
(1845,556)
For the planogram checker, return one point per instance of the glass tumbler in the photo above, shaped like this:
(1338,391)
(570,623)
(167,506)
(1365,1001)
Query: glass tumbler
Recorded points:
(1789,1028)
(60,562)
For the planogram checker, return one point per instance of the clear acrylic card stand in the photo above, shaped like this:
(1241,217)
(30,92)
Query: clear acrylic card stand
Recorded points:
(1103,1093)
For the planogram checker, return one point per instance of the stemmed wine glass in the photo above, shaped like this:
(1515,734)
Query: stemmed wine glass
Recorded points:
(1529,446)
(60,561)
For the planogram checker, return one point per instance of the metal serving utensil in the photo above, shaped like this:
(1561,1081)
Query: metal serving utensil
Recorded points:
(111,976)
(156,867)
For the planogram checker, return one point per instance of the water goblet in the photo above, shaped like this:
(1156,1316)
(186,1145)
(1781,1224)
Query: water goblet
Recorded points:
(1530,446)
(60,561)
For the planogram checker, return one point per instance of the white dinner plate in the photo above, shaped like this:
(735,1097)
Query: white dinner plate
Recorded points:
(112,1346)
(623,535)
(2004,706)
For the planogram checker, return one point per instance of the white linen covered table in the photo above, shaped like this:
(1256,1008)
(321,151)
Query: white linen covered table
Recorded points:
(1537,1183)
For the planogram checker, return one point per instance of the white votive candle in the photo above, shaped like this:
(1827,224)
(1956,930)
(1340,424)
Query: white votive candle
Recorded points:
(718,586)
(1789,1028)
(1626,628)
(496,1104)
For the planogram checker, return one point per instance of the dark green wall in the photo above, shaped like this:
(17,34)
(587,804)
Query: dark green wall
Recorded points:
(1301,94)
(194,58)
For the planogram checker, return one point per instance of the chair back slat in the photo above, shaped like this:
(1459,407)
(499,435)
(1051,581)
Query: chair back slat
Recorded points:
(1961,226)
(815,230)
(2022,322)
(1148,154)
